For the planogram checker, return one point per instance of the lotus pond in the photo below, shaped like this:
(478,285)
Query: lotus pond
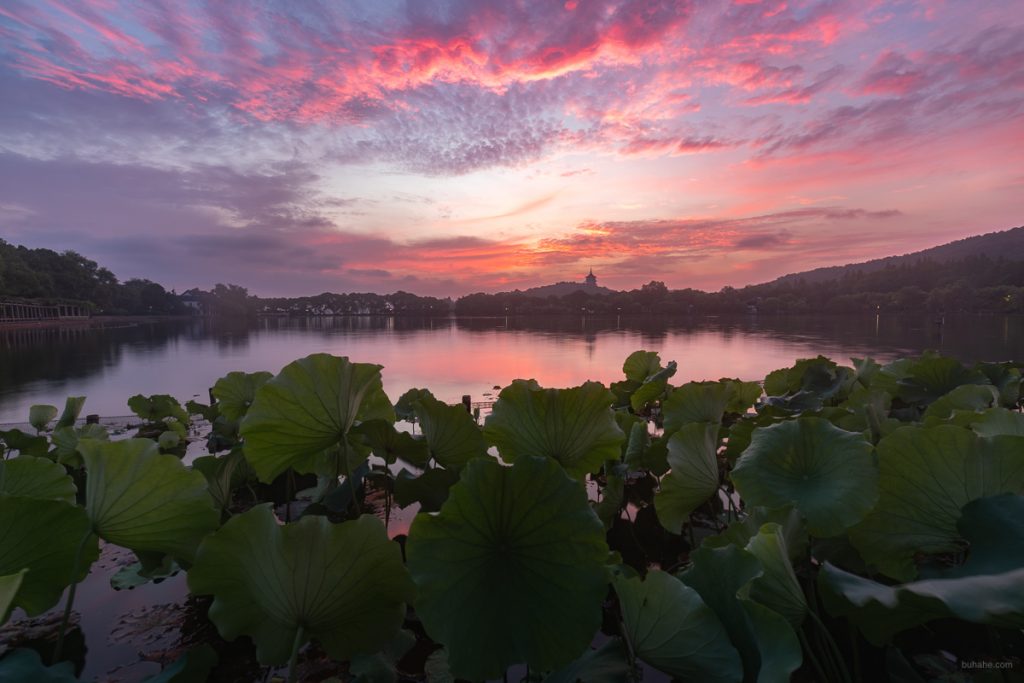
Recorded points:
(835,523)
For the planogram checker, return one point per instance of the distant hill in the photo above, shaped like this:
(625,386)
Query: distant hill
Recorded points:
(1004,244)
(561,289)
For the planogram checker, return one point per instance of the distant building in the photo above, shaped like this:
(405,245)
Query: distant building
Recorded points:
(192,302)
(591,279)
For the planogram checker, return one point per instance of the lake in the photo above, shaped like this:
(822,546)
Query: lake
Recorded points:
(454,357)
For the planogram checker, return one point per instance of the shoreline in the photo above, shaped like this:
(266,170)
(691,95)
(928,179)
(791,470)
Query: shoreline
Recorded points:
(105,321)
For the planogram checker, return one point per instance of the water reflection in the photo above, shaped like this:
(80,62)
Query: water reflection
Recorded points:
(456,357)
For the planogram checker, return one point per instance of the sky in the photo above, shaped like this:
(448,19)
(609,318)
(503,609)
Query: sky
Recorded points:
(452,146)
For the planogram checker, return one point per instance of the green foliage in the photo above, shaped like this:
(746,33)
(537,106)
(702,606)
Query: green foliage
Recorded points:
(692,455)
(451,433)
(9,585)
(25,665)
(236,390)
(41,416)
(670,628)
(574,426)
(32,477)
(44,536)
(925,477)
(511,569)
(144,500)
(341,584)
(302,417)
(827,474)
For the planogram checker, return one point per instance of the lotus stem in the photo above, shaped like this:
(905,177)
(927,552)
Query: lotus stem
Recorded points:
(300,638)
(59,649)
(810,655)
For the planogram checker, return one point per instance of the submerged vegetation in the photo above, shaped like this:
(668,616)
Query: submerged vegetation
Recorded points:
(833,524)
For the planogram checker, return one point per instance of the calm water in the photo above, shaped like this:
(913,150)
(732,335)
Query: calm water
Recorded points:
(456,357)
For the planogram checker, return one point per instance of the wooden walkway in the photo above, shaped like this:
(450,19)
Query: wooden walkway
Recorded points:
(28,310)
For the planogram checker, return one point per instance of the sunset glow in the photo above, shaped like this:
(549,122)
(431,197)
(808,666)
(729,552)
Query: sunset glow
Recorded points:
(451,147)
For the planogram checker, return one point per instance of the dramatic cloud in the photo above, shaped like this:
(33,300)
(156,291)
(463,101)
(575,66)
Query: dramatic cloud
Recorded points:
(456,145)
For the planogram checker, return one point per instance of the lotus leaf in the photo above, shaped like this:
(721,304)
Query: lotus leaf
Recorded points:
(671,628)
(145,500)
(65,442)
(26,444)
(766,643)
(235,392)
(223,475)
(511,569)
(794,530)
(827,474)
(967,397)
(640,365)
(157,407)
(930,377)
(32,477)
(607,664)
(696,402)
(404,408)
(342,584)
(451,433)
(308,409)
(574,426)
(429,489)
(926,477)
(9,585)
(25,665)
(72,408)
(613,495)
(692,455)
(642,452)
(389,444)
(652,388)
(44,537)
(778,588)
(998,421)
(40,416)
(1006,377)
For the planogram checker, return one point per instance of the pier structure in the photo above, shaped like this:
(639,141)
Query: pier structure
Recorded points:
(26,310)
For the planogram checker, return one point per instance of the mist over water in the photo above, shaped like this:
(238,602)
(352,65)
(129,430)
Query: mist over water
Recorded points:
(453,357)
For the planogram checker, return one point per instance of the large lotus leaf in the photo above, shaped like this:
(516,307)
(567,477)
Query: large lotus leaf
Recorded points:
(778,587)
(343,584)
(511,569)
(932,376)
(767,645)
(40,416)
(926,477)
(967,397)
(25,665)
(696,402)
(641,364)
(984,589)
(389,444)
(9,585)
(236,390)
(692,455)
(828,474)
(574,426)
(998,421)
(223,475)
(44,536)
(607,664)
(818,377)
(404,406)
(671,628)
(1007,378)
(451,433)
(308,409)
(641,452)
(32,477)
(145,500)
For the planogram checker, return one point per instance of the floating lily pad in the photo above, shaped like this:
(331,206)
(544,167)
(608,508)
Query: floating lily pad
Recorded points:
(145,500)
(307,410)
(671,628)
(574,426)
(342,584)
(511,569)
